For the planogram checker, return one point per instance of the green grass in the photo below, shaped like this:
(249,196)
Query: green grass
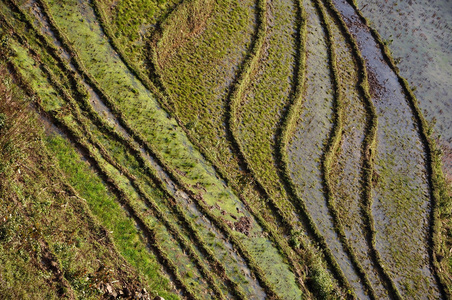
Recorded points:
(67,118)
(94,190)
(44,217)
(133,21)
(254,109)
(164,134)
(103,204)
(198,74)
(259,113)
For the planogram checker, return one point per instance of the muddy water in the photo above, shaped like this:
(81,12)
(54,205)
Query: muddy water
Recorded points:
(306,147)
(346,174)
(268,94)
(401,202)
(421,35)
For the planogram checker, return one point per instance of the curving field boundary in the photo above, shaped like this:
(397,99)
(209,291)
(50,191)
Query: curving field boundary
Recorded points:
(434,170)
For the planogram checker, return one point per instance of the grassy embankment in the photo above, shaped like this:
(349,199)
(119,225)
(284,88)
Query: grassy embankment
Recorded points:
(54,80)
(256,111)
(225,229)
(50,228)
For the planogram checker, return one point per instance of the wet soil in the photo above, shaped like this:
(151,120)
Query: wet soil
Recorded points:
(401,193)
(346,173)
(419,34)
(307,145)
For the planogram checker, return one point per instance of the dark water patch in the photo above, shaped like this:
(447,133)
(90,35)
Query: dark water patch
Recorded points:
(49,127)
(401,193)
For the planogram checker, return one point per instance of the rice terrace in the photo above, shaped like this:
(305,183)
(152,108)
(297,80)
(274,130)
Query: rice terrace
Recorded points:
(218,149)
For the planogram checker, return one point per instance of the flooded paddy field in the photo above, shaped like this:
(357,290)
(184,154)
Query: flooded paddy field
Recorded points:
(260,149)
(419,34)
(346,173)
(307,146)
(401,190)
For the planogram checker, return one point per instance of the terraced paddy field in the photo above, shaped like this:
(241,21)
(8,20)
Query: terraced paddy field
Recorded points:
(224,149)
(420,46)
